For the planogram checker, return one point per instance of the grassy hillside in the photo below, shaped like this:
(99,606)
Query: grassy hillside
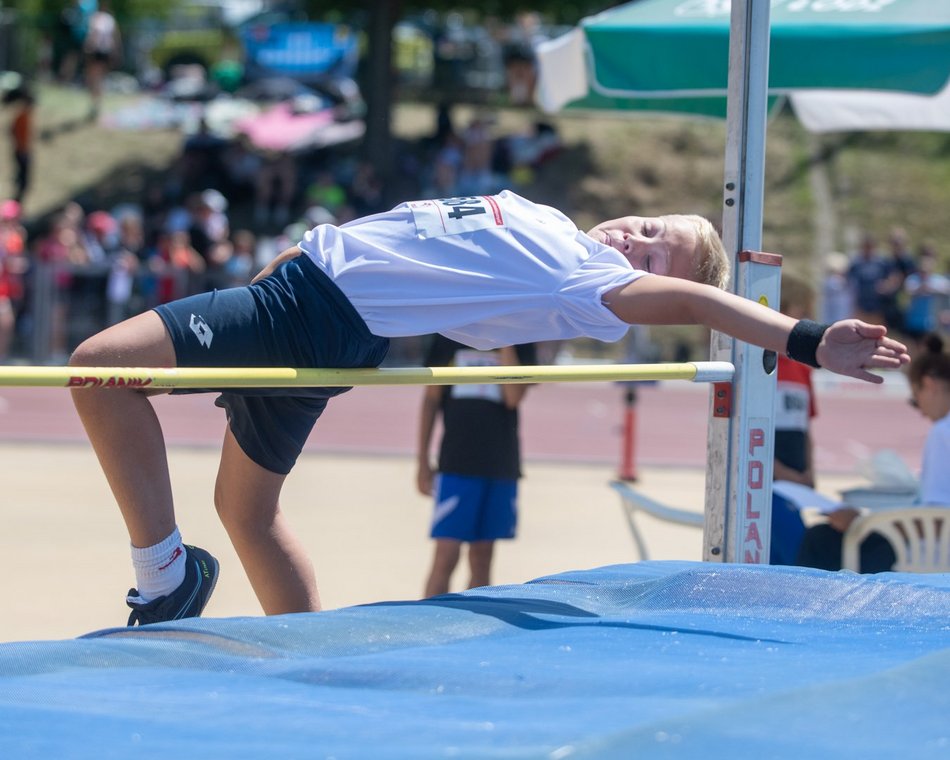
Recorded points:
(75,159)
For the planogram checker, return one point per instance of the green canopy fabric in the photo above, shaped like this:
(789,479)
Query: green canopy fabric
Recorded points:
(638,55)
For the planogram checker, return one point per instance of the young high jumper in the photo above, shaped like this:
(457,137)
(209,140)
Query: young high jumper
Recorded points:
(487,271)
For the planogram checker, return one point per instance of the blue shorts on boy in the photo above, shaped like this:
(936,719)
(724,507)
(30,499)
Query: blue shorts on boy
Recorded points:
(475,509)
(296,317)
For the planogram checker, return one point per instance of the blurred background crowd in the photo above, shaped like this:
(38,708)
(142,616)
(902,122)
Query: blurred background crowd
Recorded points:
(270,147)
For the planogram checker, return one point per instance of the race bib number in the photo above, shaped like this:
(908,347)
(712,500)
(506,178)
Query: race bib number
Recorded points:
(791,407)
(473,358)
(454,216)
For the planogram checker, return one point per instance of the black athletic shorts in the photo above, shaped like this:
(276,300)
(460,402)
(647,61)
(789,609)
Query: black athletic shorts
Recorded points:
(296,317)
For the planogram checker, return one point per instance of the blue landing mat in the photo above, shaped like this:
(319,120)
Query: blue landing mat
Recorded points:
(655,659)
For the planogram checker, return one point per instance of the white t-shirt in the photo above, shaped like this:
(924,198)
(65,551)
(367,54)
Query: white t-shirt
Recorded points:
(935,475)
(100,37)
(487,271)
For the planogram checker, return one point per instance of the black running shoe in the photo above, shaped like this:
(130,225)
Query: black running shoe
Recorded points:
(188,600)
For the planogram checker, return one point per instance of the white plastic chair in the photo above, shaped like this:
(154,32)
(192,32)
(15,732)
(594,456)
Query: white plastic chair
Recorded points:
(633,501)
(920,537)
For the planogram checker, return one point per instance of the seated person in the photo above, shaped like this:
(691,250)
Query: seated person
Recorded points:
(794,409)
(929,376)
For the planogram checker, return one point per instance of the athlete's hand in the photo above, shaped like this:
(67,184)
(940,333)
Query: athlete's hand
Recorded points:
(424,478)
(852,347)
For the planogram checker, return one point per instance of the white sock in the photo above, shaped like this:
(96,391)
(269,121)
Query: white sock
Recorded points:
(159,569)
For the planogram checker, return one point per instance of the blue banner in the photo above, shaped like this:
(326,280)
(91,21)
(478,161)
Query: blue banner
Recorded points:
(302,49)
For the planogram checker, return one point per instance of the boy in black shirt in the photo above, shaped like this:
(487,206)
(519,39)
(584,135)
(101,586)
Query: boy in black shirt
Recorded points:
(479,461)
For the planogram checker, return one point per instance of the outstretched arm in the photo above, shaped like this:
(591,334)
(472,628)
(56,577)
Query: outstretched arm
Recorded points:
(849,347)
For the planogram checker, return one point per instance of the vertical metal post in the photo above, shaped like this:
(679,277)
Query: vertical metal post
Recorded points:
(740,445)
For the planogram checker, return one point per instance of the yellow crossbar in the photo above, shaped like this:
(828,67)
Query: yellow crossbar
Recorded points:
(274,377)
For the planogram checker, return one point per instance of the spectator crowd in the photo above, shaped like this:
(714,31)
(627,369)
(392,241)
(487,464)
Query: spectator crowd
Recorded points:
(899,285)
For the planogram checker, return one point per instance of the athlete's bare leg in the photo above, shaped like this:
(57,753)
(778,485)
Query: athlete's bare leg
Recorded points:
(479,562)
(247,499)
(123,428)
(444,560)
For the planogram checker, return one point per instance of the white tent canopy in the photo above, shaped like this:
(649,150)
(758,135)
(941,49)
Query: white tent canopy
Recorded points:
(868,110)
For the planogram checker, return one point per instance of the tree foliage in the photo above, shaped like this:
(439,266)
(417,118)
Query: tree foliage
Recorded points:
(47,11)
(379,17)
(555,11)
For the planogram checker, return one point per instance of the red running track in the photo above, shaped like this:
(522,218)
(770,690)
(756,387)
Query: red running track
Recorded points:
(563,422)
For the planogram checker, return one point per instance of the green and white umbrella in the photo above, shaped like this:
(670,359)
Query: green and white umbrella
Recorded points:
(672,55)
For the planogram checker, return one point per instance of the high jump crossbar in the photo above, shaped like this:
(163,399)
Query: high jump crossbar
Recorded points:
(276,377)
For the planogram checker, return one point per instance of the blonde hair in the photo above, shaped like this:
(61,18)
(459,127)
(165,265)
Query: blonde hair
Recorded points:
(712,262)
